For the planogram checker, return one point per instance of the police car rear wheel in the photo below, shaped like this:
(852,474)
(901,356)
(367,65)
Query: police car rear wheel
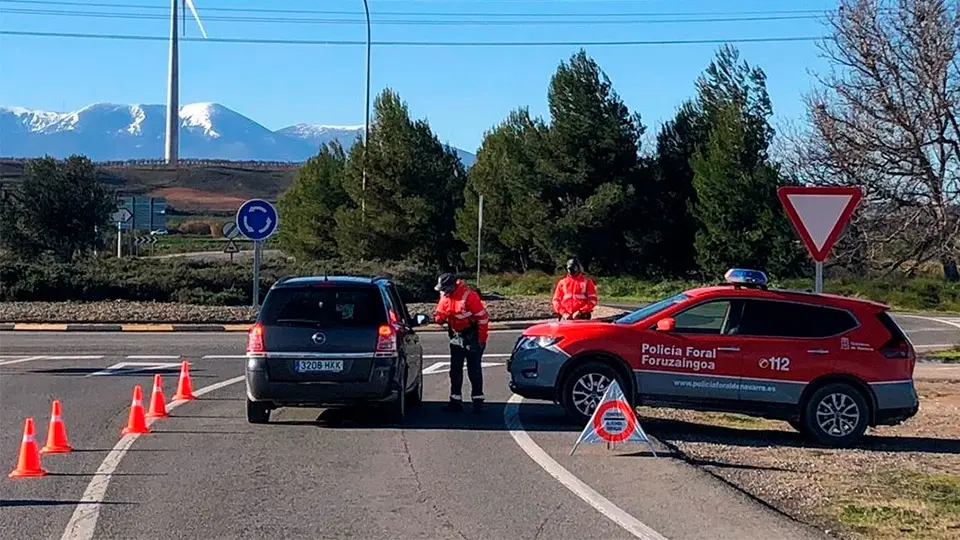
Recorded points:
(257,413)
(583,389)
(836,415)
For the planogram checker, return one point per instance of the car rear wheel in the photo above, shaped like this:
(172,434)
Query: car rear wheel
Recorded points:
(583,388)
(397,409)
(415,399)
(257,413)
(836,414)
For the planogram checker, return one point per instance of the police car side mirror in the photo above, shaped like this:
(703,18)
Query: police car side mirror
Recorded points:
(666,325)
(420,319)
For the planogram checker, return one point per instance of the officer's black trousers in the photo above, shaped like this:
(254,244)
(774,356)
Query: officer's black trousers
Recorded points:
(472,355)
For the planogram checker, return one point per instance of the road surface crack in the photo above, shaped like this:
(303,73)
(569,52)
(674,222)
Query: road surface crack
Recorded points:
(545,520)
(423,497)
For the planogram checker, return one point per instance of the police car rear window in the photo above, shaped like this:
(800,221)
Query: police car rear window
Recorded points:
(771,318)
(324,307)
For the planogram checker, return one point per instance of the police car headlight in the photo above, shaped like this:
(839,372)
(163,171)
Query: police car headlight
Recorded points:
(535,342)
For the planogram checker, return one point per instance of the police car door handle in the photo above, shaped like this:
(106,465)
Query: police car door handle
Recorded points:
(818,351)
(728,349)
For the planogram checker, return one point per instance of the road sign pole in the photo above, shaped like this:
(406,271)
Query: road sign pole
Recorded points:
(119,237)
(818,280)
(256,273)
(479,232)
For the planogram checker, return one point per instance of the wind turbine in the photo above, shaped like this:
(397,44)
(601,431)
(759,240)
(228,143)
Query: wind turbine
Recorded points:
(172,149)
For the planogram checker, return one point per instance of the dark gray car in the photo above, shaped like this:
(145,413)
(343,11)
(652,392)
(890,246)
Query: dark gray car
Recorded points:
(333,341)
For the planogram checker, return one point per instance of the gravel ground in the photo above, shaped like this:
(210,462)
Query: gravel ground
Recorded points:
(123,311)
(867,492)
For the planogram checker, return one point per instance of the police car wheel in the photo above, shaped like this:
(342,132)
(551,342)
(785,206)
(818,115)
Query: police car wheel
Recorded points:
(415,398)
(583,389)
(257,413)
(836,415)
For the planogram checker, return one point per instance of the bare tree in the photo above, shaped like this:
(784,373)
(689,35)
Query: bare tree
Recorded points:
(886,117)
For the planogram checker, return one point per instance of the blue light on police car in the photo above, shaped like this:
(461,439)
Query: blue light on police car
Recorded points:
(741,276)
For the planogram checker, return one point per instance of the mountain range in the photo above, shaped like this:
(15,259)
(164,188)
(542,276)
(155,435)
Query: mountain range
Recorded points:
(113,132)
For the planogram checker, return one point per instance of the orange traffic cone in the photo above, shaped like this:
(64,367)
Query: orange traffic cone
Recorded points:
(56,433)
(136,422)
(28,463)
(158,405)
(184,388)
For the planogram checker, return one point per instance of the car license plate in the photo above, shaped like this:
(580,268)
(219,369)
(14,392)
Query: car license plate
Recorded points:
(312,366)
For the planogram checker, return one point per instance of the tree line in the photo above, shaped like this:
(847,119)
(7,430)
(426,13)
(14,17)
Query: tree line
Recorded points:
(701,200)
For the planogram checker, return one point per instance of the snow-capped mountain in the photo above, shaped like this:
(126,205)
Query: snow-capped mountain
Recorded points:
(111,132)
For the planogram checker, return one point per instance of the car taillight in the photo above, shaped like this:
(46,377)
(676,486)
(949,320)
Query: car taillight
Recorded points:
(255,339)
(386,339)
(896,348)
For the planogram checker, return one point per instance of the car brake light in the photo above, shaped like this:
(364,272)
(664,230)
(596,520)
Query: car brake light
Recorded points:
(896,348)
(255,339)
(386,339)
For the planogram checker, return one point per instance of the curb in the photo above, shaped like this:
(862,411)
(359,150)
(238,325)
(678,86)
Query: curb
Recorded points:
(196,327)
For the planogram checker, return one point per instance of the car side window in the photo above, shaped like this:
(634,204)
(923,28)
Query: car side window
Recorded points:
(772,318)
(398,306)
(706,318)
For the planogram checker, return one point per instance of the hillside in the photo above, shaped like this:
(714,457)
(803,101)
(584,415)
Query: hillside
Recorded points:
(197,187)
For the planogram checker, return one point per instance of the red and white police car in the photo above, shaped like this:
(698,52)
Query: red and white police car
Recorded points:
(828,365)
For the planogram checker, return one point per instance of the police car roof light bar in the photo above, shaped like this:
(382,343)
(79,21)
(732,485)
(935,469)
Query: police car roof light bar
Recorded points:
(741,277)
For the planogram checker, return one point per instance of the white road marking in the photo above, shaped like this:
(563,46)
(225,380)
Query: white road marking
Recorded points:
(935,346)
(441,367)
(83,523)
(20,360)
(133,367)
(511,416)
(153,357)
(224,357)
(494,355)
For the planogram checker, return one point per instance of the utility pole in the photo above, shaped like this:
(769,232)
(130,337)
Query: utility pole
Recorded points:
(366,122)
(479,232)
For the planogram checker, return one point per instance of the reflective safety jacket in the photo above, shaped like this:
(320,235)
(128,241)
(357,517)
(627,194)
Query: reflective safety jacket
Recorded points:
(462,309)
(574,294)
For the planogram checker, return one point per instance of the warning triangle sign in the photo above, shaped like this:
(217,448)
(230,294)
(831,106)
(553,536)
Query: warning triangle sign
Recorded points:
(819,214)
(613,421)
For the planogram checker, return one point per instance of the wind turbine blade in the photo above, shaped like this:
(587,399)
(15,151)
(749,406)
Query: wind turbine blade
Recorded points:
(196,17)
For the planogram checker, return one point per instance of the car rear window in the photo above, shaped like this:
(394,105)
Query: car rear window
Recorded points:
(790,319)
(324,307)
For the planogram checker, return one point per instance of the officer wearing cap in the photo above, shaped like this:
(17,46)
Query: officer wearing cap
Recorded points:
(575,296)
(467,322)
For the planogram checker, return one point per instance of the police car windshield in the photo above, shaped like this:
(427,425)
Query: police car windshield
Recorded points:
(647,311)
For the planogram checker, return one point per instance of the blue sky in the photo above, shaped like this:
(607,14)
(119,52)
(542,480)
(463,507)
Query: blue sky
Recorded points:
(462,91)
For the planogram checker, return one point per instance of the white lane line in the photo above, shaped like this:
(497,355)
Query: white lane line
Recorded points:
(83,523)
(511,416)
(496,355)
(935,346)
(152,356)
(21,360)
(224,357)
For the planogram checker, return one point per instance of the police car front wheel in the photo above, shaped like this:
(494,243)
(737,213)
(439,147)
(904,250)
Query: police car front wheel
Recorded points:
(583,388)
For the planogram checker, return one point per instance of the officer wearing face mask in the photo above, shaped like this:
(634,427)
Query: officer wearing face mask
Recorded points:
(575,296)
(467,322)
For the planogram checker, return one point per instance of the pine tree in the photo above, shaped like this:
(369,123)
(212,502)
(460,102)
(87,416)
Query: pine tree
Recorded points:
(514,217)
(414,186)
(309,206)
(595,194)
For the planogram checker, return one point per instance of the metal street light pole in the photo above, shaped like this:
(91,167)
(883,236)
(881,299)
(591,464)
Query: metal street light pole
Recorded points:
(366,122)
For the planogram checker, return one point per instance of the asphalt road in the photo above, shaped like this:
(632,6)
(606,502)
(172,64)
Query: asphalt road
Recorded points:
(206,473)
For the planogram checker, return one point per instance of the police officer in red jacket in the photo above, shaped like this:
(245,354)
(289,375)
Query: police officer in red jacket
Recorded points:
(576,295)
(467,322)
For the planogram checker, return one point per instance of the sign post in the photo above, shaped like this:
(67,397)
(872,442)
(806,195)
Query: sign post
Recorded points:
(121,216)
(819,215)
(257,220)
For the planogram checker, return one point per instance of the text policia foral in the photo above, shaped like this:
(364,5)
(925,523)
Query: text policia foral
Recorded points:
(678,357)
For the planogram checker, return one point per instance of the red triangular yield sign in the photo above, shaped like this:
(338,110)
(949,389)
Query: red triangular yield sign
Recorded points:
(819,214)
